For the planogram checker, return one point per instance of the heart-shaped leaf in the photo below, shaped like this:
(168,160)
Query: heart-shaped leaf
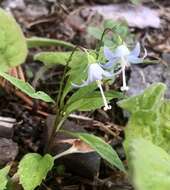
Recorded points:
(33,168)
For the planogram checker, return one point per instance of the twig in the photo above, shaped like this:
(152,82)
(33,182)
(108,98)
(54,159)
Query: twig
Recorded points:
(38,111)
(20,73)
(80,117)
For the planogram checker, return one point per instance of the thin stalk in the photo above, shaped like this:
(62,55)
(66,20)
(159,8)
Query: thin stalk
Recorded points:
(123,65)
(63,77)
(101,40)
(68,151)
(60,118)
(106,106)
(100,43)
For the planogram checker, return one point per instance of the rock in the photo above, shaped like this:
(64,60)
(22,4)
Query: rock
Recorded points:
(8,151)
(142,77)
(144,16)
(14,4)
(29,8)
(7,127)
(106,1)
(166,57)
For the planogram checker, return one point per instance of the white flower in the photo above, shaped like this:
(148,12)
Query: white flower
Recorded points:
(96,74)
(125,57)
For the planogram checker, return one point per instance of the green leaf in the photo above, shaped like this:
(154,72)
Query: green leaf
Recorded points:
(51,59)
(27,88)
(149,118)
(45,42)
(78,64)
(144,121)
(102,148)
(149,100)
(136,2)
(13,47)
(74,77)
(90,101)
(150,166)
(33,168)
(95,32)
(3,177)
(82,92)
(165,125)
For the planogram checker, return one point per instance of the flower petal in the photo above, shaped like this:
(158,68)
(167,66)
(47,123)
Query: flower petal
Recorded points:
(107,74)
(94,73)
(107,53)
(136,51)
(121,51)
(134,60)
(110,63)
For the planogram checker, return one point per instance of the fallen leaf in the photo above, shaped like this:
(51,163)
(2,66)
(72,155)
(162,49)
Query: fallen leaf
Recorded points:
(79,146)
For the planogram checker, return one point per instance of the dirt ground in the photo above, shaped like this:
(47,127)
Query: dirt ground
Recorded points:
(66,20)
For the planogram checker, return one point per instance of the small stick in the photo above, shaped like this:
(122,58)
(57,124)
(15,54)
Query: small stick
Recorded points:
(38,111)
(20,73)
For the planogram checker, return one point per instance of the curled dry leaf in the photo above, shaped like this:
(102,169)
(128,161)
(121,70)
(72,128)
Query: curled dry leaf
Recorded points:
(78,145)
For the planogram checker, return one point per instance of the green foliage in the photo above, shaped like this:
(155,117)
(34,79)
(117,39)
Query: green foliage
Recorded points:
(110,39)
(51,59)
(13,47)
(3,177)
(33,168)
(46,42)
(150,99)
(81,93)
(150,165)
(136,1)
(27,88)
(95,32)
(147,138)
(102,148)
(146,120)
(78,64)
(89,100)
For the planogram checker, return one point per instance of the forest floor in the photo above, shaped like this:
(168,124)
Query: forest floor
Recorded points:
(69,20)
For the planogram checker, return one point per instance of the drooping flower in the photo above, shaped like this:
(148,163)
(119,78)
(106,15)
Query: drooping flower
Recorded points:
(124,57)
(96,74)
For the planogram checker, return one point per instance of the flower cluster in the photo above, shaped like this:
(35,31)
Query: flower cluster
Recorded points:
(98,72)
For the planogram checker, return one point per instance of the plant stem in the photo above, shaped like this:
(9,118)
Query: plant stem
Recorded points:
(101,40)
(106,106)
(68,151)
(63,78)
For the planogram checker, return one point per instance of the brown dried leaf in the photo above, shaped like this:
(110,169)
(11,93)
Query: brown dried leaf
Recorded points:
(78,145)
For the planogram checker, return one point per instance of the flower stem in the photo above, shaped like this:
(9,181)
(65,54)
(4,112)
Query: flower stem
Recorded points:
(106,106)
(123,65)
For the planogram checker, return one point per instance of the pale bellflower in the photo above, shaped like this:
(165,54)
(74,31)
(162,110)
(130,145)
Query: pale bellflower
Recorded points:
(124,57)
(96,74)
